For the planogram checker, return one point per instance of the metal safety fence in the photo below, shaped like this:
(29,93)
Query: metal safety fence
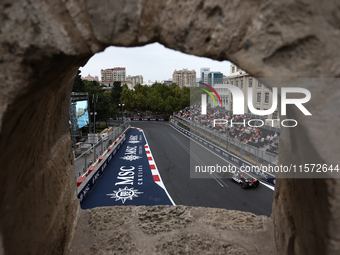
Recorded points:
(93,152)
(254,155)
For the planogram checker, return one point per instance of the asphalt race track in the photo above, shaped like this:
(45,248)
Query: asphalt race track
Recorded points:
(171,151)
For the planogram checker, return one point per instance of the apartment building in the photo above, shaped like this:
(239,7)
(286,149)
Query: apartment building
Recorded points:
(109,76)
(184,78)
(90,78)
(135,79)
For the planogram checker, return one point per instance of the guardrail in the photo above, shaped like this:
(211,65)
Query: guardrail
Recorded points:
(250,153)
(87,183)
(265,176)
(92,154)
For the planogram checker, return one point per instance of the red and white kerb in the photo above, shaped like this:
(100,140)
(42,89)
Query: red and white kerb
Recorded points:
(155,174)
(154,170)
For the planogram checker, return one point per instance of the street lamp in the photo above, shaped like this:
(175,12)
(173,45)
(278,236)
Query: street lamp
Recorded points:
(121,105)
(94,101)
(95,113)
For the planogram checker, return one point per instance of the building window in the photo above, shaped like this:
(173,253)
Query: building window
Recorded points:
(236,83)
(250,82)
(241,84)
(258,97)
(260,84)
(266,98)
(233,69)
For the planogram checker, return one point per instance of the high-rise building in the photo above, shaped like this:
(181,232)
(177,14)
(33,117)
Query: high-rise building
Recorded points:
(135,79)
(109,76)
(184,78)
(210,77)
(204,74)
(215,78)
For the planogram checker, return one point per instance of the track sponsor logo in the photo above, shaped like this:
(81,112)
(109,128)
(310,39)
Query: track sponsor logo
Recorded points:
(133,139)
(125,194)
(130,154)
(128,178)
(130,157)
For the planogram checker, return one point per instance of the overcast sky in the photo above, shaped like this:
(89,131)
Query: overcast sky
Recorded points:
(153,61)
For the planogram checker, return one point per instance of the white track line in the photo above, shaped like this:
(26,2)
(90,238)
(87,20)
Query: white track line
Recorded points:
(154,170)
(217,179)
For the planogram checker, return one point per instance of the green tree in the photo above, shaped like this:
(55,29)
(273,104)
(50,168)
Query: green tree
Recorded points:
(78,85)
(127,96)
(159,98)
(103,107)
(142,89)
(195,95)
(116,92)
(139,101)
(95,90)
(113,110)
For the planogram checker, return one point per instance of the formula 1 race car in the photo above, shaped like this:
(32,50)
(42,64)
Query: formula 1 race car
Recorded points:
(246,181)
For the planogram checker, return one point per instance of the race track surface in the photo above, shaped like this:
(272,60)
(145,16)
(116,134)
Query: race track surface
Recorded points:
(173,152)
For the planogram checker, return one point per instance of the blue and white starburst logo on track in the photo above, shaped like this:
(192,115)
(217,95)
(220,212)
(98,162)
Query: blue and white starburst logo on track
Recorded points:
(131,157)
(125,194)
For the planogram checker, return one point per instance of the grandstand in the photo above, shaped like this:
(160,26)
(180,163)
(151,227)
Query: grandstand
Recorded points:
(261,137)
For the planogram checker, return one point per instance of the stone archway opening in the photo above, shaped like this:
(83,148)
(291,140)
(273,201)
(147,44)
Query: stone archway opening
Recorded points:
(43,45)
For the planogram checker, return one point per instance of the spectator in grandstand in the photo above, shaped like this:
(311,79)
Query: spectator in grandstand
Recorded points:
(255,135)
(275,136)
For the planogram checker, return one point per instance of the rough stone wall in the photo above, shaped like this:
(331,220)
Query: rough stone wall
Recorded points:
(44,43)
(171,230)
